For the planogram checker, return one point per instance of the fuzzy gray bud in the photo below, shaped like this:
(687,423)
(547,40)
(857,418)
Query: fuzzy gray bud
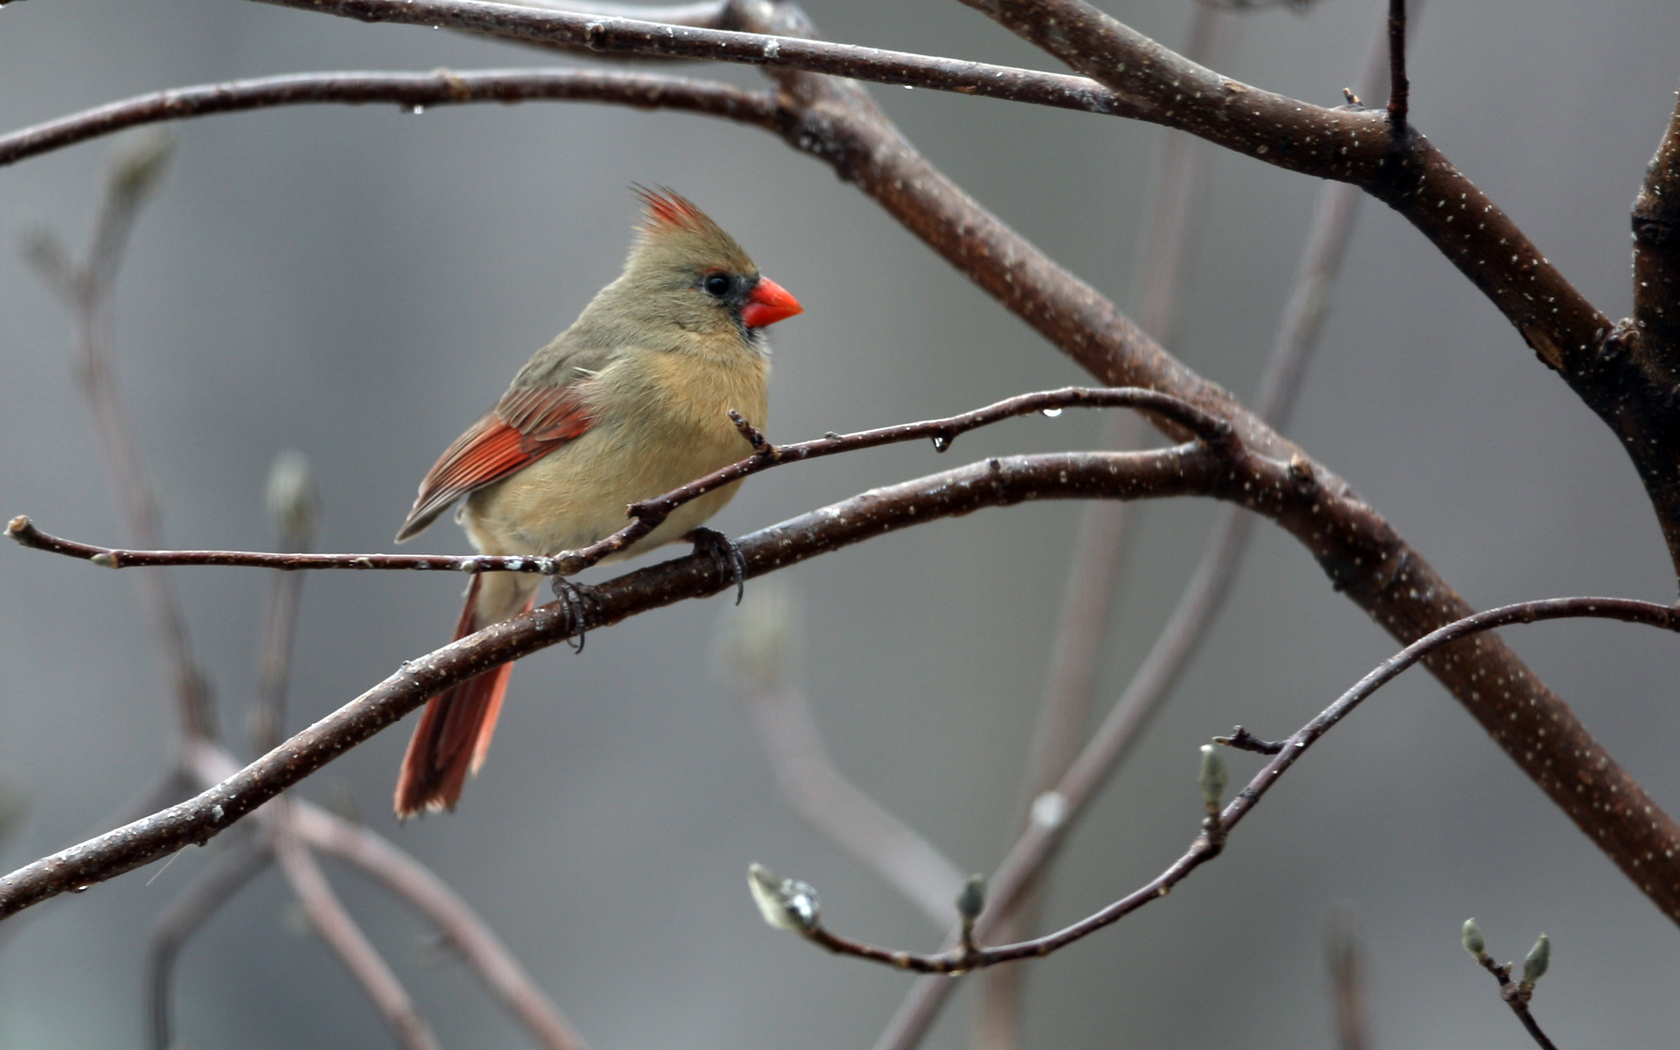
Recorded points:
(291,500)
(1213,777)
(1539,957)
(1473,942)
(971,899)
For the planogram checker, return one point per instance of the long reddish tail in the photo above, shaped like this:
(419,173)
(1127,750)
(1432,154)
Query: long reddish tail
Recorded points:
(455,729)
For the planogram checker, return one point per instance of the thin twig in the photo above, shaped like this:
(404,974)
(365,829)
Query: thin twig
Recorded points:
(334,924)
(758,649)
(461,927)
(87,292)
(1210,843)
(409,91)
(649,514)
(223,877)
(1399,87)
(1516,996)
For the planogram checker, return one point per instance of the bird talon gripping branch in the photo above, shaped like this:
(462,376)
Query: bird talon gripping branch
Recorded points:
(631,401)
(725,553)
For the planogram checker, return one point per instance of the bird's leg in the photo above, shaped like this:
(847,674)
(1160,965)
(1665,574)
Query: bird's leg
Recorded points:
(575,598)
(725,552)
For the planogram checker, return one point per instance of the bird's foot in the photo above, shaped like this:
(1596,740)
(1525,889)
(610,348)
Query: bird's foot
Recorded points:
(575,599)
(725,553)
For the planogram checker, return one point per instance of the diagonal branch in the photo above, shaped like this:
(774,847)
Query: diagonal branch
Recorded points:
(970,956)
(334,924)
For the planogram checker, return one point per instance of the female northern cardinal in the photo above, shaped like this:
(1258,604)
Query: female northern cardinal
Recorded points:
(629,402)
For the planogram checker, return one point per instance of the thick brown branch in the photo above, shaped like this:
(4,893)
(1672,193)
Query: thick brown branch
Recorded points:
(1372,564)
(1656,256)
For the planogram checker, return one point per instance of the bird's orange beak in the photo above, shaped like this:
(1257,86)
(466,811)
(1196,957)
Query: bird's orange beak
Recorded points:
(768,303)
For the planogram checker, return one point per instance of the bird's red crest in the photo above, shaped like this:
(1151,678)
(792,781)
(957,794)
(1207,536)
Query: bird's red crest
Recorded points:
(667,210)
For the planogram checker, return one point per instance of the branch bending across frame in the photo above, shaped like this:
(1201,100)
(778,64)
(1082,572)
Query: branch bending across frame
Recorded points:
(648,514)
(804,918)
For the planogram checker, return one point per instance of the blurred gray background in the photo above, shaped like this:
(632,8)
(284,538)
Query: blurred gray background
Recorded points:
(360,284)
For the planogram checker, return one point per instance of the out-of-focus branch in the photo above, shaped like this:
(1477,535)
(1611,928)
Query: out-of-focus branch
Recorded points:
(1159,275)
(335,926)
(803,917)
(758,654)
(1344,958)
(292,509)
(86,289)
(464,931)
(224,876)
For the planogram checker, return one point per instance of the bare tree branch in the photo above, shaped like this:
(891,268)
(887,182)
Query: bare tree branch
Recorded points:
(649,514)
(758,653)
(1000,481)
(330,919)
(1210,843)
(478,945)
(86,289)
(1344,958)
(409,90)
(224,876)
(1516,994)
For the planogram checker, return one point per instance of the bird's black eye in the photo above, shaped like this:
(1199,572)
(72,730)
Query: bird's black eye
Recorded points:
(717,284)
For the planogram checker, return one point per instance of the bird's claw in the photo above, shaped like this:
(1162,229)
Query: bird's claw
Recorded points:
(575,598)
(725,552)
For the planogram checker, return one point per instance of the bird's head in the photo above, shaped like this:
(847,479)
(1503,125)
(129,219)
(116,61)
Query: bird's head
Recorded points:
(685,275)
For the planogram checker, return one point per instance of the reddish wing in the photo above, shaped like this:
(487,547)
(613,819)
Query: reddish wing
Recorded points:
(526,425)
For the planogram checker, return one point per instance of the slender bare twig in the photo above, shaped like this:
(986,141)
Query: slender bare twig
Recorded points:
(1399,87)
(415,884)
(1210,843)
(328,917)
(86,289)
(1516,994)
(649,514)
(1158,277)
(758,652)
(224,876)
(470,936)
(441,87)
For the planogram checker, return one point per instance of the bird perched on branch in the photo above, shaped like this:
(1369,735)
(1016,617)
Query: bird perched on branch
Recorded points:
(629,402)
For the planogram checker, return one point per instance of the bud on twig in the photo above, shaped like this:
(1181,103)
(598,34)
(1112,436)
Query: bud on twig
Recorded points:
(1473,942)
(1539,957)
(291,499)
(786,904)
(971,901)
(139,163)
(1213,778)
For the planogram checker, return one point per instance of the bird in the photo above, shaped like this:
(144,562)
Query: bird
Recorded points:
(631,401)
